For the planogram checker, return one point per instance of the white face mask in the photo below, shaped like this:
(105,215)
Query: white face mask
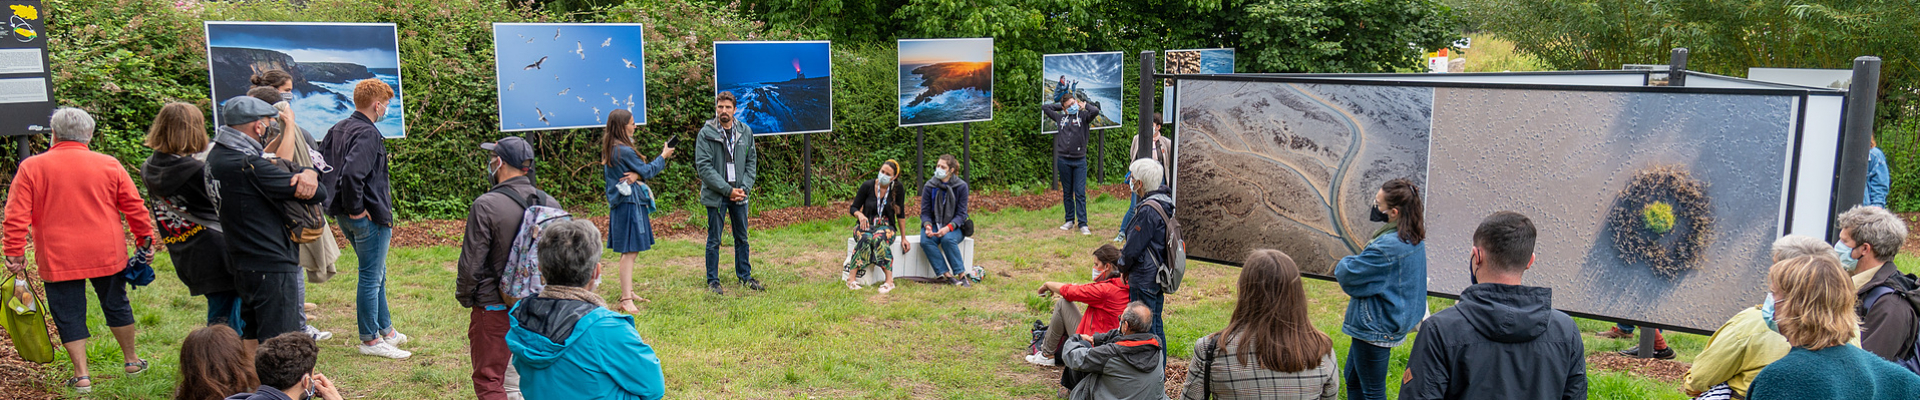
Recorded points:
(883,179)
(940,173)
(493,171)
(1846,256)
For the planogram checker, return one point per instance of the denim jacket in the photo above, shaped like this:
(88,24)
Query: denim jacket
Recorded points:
(1388,284)
(626,160)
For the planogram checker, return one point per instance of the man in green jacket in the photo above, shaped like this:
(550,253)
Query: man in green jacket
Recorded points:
(724,159)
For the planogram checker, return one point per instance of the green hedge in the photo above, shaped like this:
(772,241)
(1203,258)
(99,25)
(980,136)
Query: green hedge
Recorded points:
(124,59)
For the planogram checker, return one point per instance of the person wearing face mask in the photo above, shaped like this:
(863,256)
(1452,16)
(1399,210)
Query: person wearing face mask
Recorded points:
(1869,238)
(317,256)
(943,215)
(265,258)
(725,161)
(878,208)
(1070,157)
(1503,340)
(1388,285)
(629,199)
(565,342)
(1812,306)
(1146,247)
(363,205)
(492,223)
(1746,343)
(1105,297)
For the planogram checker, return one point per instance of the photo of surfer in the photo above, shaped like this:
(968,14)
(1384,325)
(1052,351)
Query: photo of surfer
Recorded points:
(1093,78)
(568,76)
(780,87)
(944,81)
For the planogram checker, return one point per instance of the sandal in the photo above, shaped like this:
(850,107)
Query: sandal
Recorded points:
(142,364)
(851,285)
(626,306)
(72,384)
(886,287)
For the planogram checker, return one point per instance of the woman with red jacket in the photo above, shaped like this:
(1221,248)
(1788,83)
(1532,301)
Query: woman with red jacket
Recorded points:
(1105,298)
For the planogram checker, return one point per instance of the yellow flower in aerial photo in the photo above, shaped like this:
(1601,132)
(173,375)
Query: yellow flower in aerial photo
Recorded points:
(25,11)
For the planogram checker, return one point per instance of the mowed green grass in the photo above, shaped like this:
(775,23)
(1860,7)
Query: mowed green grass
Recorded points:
(806,337)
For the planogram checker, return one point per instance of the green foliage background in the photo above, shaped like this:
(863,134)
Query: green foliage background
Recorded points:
(123,59)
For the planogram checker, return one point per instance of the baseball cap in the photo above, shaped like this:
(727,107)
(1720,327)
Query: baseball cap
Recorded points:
(512,150)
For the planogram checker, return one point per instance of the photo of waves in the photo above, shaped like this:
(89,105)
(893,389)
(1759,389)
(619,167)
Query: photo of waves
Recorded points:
(778,87)
(326,60)
(1094,78)
(568,76)
(944,81)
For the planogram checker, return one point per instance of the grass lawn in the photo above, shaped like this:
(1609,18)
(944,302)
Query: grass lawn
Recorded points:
(806,337)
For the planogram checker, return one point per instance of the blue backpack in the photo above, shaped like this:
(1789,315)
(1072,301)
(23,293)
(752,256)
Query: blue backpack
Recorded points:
(1907,288)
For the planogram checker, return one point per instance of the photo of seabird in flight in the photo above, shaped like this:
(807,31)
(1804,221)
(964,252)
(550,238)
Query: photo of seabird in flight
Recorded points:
(536,64)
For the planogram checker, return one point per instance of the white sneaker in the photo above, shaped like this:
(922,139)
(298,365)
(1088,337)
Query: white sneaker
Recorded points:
(384,349)
(1067,226)
(1084,231)
(396,340)
(1040,360)
(318,335)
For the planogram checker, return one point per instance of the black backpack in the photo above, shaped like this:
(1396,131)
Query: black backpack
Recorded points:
(1904,287)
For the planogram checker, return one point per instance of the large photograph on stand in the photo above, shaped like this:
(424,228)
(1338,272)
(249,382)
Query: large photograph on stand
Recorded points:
(1653,207)
(565,76)
(1196,61)
(1094,78)
(326,60)
(1292,167)
(780,87)
(945,81)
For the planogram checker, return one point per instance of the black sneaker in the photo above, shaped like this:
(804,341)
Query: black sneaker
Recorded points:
(755,285)
(715,287)
(1664,354)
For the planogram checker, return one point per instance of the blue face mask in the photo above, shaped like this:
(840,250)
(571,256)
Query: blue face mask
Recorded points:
(1074,110)
(1846,256)
(1766,313)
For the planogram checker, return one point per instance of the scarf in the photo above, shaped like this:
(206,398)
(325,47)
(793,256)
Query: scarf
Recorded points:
(572,293)
(233,139)
(943,206)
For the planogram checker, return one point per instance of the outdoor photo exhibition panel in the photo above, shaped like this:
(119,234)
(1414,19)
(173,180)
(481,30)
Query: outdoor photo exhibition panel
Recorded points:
(1195,61)
(26,84)
(778,87)
(326,60)
(1655,205)
(1093,78)
(945,81)
(568,76)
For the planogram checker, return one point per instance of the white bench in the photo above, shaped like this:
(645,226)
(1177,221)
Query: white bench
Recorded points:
(910,264)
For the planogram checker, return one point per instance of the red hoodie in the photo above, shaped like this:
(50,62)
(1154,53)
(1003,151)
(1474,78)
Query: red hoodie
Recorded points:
(72,200)
(1105,301)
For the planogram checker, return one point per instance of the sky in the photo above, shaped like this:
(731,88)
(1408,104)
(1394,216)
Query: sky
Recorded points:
(1091,70)
(371,46)
(769,61)
(585,75)
(927,51)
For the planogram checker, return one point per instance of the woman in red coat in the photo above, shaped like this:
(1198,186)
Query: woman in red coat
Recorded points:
(1105,298)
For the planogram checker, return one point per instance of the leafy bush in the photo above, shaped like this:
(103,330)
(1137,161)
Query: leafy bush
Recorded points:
(1657,217)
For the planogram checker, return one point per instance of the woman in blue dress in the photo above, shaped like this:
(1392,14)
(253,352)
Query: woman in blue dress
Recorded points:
(629,200)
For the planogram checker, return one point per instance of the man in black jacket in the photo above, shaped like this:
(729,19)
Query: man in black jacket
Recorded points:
(268,274)
(363,204)
(492,223)
(1146,247)
(1502,340)
(1070,157)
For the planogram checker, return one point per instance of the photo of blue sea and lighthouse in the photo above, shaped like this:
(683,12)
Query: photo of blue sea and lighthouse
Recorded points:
(778,87)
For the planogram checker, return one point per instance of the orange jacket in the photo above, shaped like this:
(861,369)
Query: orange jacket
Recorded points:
(73,200)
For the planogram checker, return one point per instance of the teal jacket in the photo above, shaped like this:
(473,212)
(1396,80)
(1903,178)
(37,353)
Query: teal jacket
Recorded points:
(571,349)
(1838,372)
(710,163)
(1388,284)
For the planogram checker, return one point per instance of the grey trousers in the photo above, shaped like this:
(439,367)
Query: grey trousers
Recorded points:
(1066,320)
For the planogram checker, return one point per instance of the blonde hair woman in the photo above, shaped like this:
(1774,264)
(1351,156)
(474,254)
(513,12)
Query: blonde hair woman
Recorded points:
(1811,304)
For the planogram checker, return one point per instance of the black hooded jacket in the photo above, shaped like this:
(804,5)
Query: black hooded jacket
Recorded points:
(189,221)
(1499,342)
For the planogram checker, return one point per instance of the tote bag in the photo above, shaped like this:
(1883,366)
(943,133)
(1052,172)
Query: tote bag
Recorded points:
(25,320)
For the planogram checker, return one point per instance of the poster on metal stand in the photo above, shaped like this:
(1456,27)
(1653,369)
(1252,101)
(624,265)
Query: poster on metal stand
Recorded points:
(326,61)
(568,76)
(779,88)
(26,85)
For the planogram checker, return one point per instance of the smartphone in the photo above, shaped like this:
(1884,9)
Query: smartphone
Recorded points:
(673,142)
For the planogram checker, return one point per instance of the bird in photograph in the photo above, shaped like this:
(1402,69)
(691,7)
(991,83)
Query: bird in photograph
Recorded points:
(609,42)
(616,101)
(582,51)
(563,92)
(629,102)
(536,64)
(556,33)
(530,40)
(542,114)
(629,64)
(582,99)
(596,114)
(510,85)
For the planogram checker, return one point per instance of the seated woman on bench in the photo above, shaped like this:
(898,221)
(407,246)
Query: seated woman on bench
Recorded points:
(877,207)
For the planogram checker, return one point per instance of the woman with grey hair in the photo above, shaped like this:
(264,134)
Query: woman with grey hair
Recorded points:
(1744,344)
(1869,238)
(609,360)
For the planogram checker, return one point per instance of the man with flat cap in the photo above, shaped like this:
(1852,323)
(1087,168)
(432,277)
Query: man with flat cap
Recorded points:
(265,258)
(492,223)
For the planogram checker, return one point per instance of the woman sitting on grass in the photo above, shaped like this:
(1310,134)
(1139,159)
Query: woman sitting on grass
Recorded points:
(877,206)
(1105,298)
(214,365)
(1812,305)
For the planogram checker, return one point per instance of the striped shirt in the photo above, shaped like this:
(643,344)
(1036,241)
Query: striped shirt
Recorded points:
(1232,380)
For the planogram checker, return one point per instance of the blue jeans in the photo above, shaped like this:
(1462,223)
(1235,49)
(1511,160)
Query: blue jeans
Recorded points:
(741,267)
(1073,188)
(224,308)
(943,252)
(1366,371)
(370,241)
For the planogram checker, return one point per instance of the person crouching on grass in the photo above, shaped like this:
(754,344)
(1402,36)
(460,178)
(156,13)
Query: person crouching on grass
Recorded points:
(1105,297)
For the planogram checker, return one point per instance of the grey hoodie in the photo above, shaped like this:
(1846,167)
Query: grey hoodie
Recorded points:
(1118,366)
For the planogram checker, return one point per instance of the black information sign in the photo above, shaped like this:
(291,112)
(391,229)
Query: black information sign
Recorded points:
(26,84)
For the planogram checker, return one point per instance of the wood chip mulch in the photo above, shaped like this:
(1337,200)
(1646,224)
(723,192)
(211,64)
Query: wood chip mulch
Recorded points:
(679,224)
(1662,370)
(1913,234)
